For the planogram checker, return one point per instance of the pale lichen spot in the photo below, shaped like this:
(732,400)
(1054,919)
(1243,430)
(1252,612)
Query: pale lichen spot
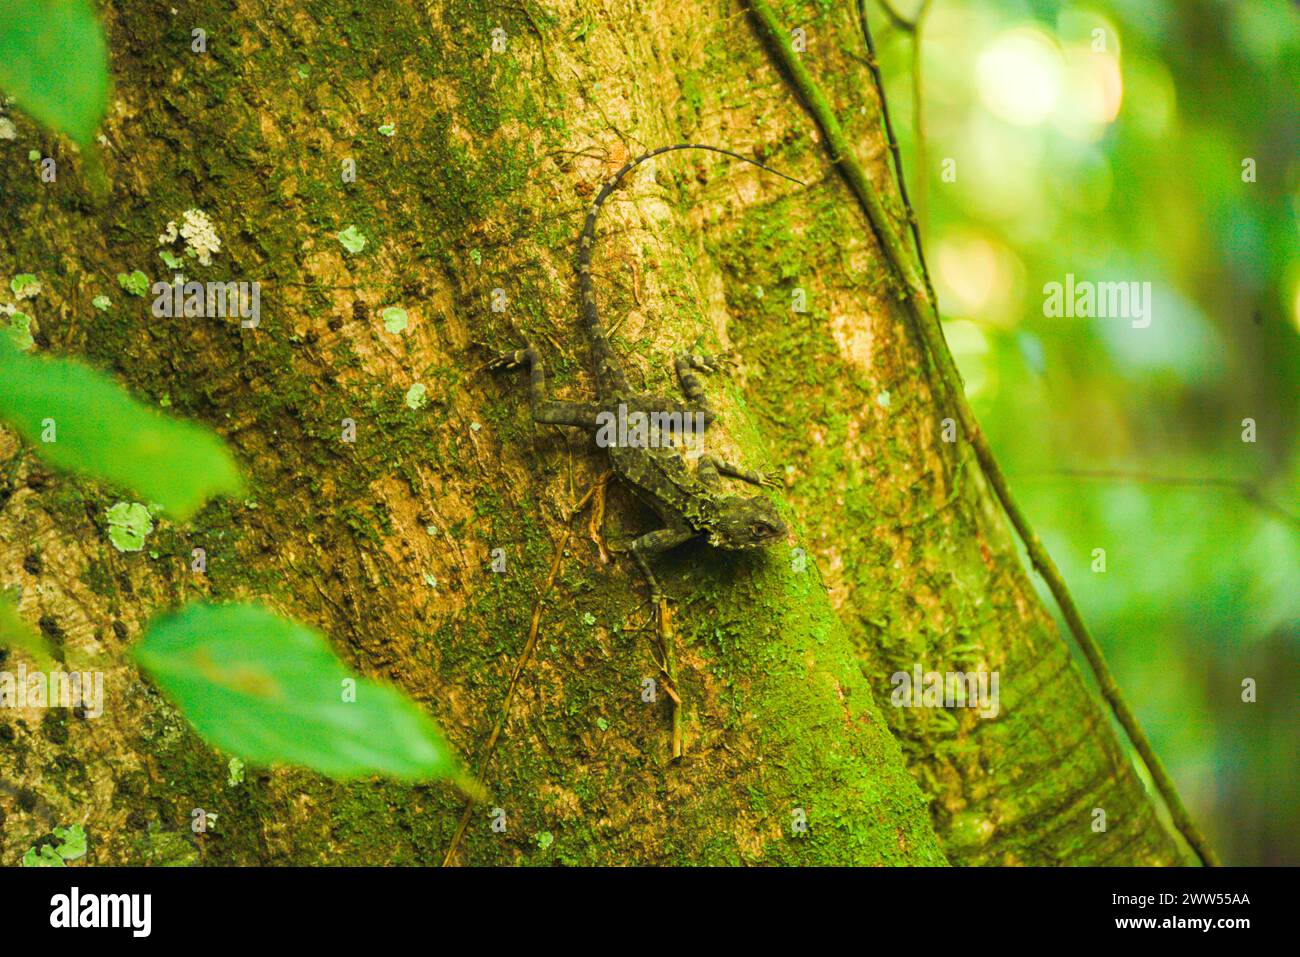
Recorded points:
(416,396)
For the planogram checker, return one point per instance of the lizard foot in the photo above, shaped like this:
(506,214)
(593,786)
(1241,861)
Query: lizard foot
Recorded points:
(772,478)
(711,363)
(507,360)
(727,360)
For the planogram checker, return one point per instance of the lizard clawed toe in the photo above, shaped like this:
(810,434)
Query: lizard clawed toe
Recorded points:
(727,360)
(716,362)
(506,360)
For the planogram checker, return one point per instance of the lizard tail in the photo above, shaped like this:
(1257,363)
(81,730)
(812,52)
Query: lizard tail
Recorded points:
(609,375)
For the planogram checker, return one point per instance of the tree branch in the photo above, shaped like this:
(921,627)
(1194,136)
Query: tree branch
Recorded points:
(1248,490)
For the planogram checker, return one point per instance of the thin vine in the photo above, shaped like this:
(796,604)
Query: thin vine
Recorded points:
(924,313)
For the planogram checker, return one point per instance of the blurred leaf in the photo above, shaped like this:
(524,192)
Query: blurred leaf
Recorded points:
(54,61)
(16,633)
(20,332)
(272,692)
(99,430)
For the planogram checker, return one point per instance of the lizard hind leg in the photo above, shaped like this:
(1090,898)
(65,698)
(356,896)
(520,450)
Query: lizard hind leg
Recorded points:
(584,415)
(687,364)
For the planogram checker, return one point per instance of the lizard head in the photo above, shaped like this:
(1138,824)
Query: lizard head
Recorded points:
(745,523)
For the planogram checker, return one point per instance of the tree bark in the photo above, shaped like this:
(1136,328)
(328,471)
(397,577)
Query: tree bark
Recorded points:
(386,544)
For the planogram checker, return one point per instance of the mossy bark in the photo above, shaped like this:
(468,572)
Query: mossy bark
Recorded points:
(386,543)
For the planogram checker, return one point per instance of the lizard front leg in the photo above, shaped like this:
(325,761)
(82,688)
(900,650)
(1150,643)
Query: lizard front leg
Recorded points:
(548,411)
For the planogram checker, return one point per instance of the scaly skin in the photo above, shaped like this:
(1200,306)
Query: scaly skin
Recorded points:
(691,504)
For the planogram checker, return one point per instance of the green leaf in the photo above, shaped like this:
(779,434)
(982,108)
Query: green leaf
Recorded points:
(137,283)
(99,430)
(16,633)
(54,61)
(46,857)
(72,842)
(101,303)
(272,692)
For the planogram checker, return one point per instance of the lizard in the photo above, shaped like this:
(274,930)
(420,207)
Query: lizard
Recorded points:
(691,505)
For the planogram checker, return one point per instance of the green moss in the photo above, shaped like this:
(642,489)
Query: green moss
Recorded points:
(776,704)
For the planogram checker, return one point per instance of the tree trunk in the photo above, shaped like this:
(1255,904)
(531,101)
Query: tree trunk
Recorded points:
(387,543)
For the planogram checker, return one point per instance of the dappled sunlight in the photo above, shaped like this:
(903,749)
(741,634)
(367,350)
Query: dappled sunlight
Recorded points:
(1129,147)
(1020,76)
(977,277)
